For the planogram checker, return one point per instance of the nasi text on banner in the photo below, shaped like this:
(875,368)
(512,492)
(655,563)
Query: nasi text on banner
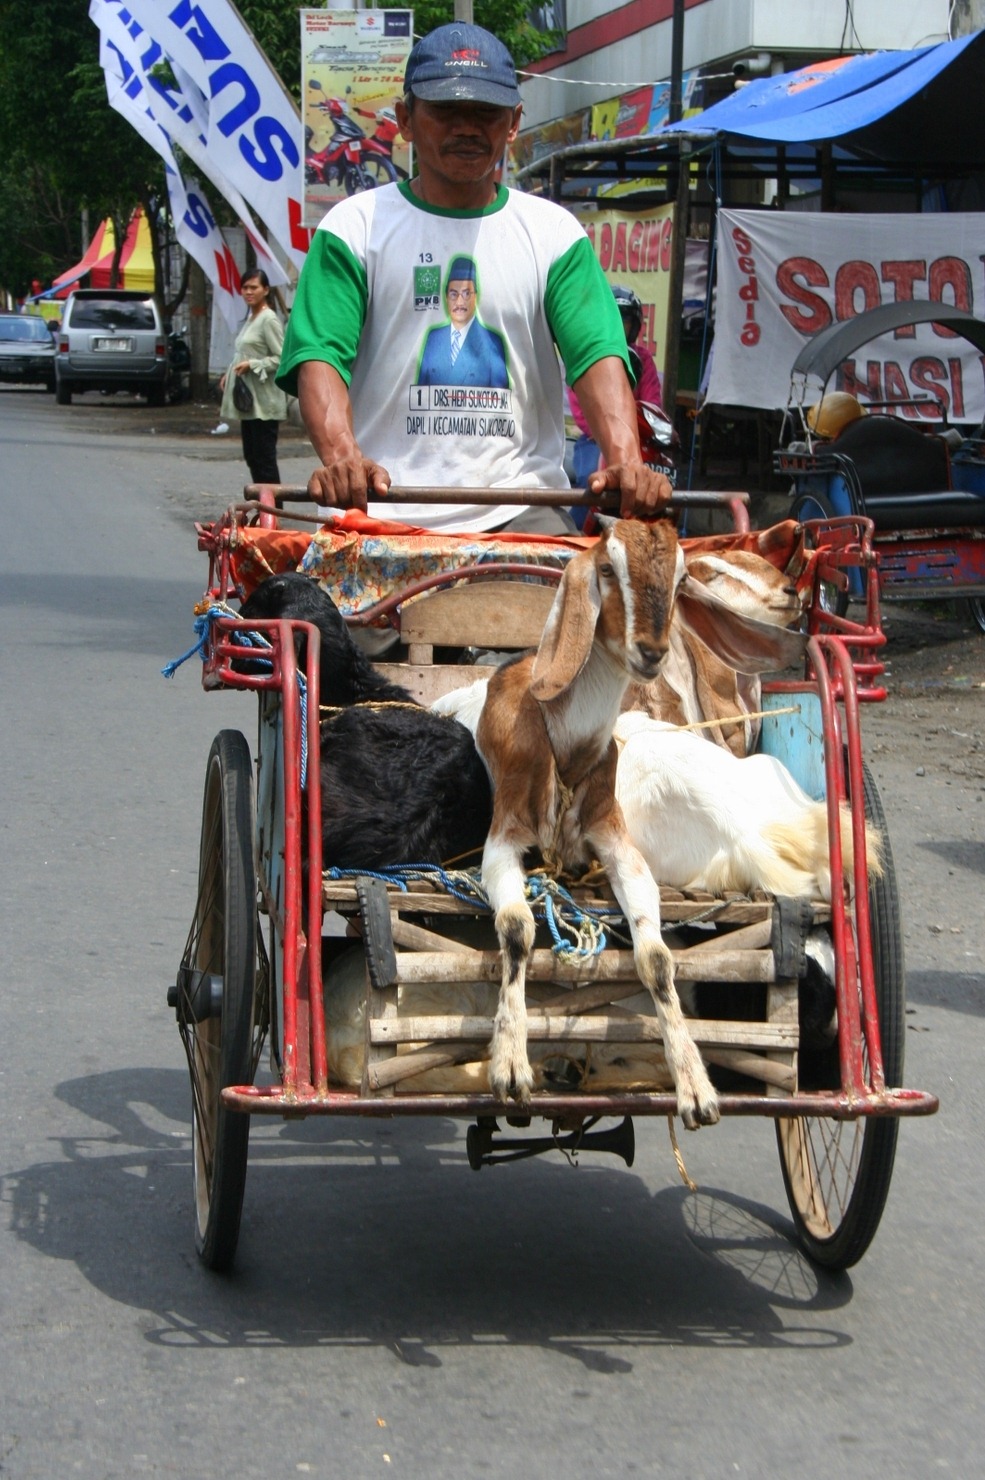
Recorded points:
(784,276)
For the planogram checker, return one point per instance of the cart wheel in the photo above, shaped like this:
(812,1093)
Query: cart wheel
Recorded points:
(217,983)
(816,506)
(976,607)
(837,1172)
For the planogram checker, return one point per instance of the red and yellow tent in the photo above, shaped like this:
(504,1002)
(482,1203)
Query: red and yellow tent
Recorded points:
(136,259)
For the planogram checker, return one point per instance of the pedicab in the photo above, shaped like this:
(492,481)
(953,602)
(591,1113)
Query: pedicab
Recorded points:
(809,1038)
(920,481)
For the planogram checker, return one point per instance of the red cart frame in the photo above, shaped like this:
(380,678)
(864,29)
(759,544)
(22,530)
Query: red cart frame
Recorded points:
(836,1114)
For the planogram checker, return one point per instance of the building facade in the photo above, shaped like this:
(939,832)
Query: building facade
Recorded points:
(612,49)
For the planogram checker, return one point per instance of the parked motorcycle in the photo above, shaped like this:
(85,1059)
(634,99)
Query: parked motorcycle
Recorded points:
(179,369)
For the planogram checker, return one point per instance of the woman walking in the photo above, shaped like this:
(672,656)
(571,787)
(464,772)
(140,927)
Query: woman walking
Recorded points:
(256,357)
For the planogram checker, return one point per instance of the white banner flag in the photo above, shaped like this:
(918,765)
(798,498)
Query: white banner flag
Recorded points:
(200,236)
(194,224)
(784,276)
(254,129)
(175,112)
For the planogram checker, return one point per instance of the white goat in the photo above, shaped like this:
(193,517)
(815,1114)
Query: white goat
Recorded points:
(706,819)
(545,734)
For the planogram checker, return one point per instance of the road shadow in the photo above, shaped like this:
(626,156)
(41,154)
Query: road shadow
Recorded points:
(960,991)
(966,853)
(377,1234)
(140,614)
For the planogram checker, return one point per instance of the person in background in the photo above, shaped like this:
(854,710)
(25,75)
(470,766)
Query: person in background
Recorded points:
(370,292)
(647,388)
(256,356)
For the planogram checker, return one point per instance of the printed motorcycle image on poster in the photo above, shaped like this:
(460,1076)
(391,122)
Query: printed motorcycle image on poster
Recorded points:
(352,71)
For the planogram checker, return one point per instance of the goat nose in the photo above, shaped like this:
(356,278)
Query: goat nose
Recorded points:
(651,654)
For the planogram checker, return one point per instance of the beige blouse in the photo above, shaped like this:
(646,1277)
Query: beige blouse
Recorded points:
(260,341)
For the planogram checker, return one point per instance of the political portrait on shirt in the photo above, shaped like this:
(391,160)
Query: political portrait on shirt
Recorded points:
(463,351)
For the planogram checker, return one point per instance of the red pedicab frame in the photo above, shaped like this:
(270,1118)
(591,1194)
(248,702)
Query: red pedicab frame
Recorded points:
(836,1113)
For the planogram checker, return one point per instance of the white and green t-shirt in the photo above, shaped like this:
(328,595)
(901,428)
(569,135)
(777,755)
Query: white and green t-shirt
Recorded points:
(488,410)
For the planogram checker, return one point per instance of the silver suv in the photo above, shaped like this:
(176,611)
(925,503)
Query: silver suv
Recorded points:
(111,339)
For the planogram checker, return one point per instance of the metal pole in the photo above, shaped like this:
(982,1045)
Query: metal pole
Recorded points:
(676,63)
(463,11)
(198,333)
(675,290)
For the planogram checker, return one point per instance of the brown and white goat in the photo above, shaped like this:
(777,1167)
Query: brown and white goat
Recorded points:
(545,734)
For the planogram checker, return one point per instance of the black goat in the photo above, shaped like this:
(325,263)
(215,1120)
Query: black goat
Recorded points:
(347,676)
(398,785)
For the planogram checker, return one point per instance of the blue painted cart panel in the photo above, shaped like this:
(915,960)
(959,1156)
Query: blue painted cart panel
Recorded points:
(796,739)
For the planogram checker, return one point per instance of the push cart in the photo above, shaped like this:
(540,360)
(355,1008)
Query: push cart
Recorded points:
(258,969)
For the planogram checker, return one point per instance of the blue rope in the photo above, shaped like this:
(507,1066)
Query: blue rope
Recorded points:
(303,702)
(546,896)
(202,625)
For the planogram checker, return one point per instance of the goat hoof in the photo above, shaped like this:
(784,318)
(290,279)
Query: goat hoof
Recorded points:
(512,1082)
(698,1112)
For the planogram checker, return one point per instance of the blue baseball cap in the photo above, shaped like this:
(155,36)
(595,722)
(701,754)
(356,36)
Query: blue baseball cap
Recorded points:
(460,63)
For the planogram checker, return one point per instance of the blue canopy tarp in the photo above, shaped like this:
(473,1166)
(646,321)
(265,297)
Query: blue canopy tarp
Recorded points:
(921,106)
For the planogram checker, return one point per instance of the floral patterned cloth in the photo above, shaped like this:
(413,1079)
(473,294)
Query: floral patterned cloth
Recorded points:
(360,561)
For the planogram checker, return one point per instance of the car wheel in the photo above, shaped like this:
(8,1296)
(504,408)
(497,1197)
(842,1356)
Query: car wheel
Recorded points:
(63,393)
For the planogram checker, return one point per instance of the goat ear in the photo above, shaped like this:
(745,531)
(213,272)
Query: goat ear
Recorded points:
(746,645)
(569,631)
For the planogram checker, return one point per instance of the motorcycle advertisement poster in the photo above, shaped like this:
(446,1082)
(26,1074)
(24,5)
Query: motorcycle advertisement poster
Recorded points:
(352,72)
(634,250)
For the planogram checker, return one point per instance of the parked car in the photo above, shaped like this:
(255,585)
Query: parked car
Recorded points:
(27,350)
(111,339)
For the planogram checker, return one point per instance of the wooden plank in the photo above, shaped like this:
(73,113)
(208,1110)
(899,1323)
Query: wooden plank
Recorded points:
(556,1028)
(783,1006)
(415,937)
(485,966)
(422,897)
(747,937)
(427,682)
(391,1074)
(486,614)
(406,1065)
(777,1076)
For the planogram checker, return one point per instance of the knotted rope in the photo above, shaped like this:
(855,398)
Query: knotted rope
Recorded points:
(577,931)
(207,612)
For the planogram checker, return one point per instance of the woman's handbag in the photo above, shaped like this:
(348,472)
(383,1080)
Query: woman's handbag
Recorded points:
(242,397)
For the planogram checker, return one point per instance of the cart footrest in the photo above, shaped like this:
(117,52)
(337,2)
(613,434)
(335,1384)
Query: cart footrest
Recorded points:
(275,1100)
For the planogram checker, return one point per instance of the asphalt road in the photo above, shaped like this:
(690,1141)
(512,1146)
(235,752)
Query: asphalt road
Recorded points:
(391,1312)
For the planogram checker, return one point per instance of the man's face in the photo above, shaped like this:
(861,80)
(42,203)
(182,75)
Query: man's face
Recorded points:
(461,142)
(461,301)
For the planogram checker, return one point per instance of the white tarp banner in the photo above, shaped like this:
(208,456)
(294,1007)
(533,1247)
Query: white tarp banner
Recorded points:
(784,276)
(254,129)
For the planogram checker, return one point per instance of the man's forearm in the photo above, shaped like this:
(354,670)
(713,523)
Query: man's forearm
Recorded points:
(326,411)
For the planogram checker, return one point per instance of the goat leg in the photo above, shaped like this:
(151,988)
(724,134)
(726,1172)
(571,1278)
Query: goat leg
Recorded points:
(510,1073)
(639,898)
